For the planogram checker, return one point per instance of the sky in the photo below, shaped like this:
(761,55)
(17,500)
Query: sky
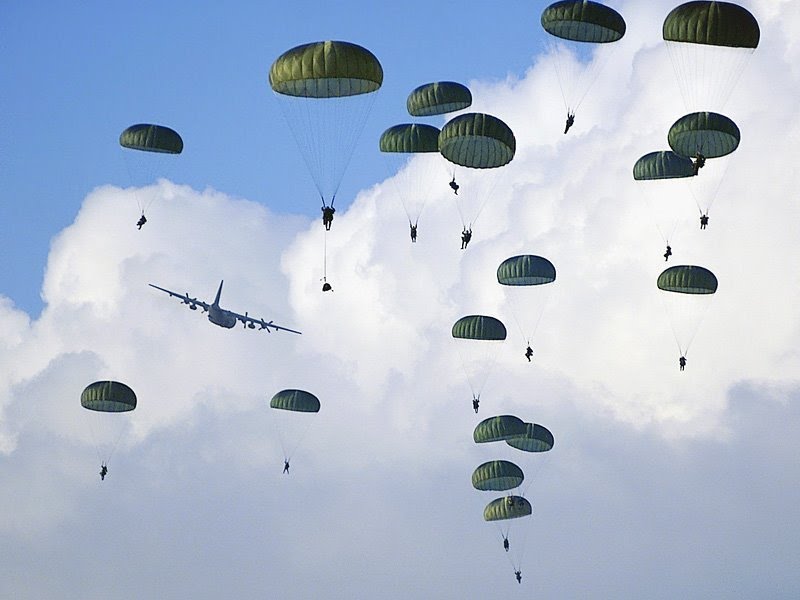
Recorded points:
(661,483)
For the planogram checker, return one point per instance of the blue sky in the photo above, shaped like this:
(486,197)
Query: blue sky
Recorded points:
(661,483)
(76,76)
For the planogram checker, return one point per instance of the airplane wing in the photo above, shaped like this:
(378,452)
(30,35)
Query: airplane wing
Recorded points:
(192,302)
(261,323)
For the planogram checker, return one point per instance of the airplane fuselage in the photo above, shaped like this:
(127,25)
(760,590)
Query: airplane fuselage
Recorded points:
(220,316)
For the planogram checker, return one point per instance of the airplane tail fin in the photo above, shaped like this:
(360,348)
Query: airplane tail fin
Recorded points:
(219,293)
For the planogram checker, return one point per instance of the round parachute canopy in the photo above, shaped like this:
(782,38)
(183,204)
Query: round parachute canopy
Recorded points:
(496,429)
(479,327)
(478,141)
(295,400)
(713,24)
(664,164)
(410,137)
(688,279)
(583,21)
(536,439)
(509,507)
(108,396)
(438,98)
(711,134)
(327,69)
(497,475)
(526,269)
(151,138)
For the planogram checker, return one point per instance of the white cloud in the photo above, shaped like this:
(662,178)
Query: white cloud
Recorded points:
(379,488)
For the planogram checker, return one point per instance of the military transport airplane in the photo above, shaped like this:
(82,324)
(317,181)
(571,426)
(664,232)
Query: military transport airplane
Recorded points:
(220,316)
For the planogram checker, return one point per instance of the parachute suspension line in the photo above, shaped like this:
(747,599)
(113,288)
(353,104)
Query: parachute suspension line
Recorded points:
(325,256)
(489,193)
(697,327)
(279,434)
(593,70)
(714,191)
(552,48)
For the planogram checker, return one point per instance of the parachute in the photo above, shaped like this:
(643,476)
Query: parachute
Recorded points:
(710,44)
(688,287)
(476,141)
(296,401)
(497,475)
(499,428)
(412,152)
(326,92)
(105,400)
(524,274)
(687,279)
(664,164)
(535,439)
(482,335)
(668,206)
(292,427)
(508,507)
(575,24)
(150,140)
(479,327)
(707,133)
(438,98)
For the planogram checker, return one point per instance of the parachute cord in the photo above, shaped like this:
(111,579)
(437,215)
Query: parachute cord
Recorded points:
(489,194)
(325,256)
(553,49)
(595,69)
(696,328)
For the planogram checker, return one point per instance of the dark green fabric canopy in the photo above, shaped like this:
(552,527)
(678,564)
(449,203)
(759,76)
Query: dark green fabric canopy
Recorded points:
(711,134)
(329,69)
(151,138)
(438,98)
(583,21)
(712,23)
(535,439)
(527,269)
(478,141)
(295,400)
(499,428)
(479,327)
(108,396)
(664,164)
(508,507)
(497,475)
(410,137)
(687,279)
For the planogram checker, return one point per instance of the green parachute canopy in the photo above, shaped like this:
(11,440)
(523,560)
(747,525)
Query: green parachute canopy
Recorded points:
(410,137)
(526,269)
(711,134)
(295,400)
(478,141)
(535,439)
(583,21)
(108,396)
(508,507)
(687,279)
(479,327)
(438,98)
(328,69)
(497,475)
(151,138)
(713,24)
(499,428)
(664,164)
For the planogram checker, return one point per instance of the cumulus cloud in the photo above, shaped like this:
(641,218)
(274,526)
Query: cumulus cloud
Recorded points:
(648,461)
